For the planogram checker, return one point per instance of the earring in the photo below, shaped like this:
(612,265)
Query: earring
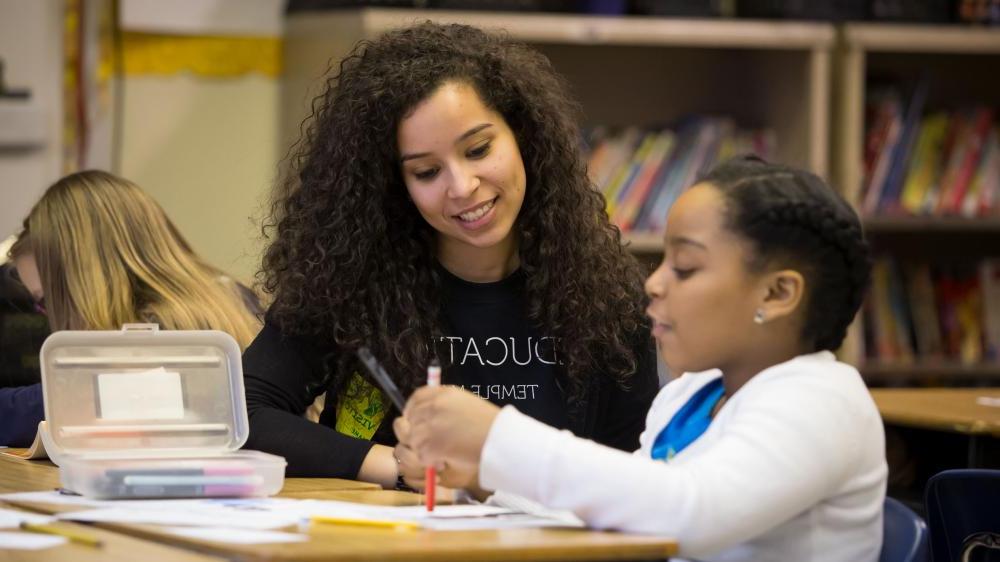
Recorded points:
(758,317)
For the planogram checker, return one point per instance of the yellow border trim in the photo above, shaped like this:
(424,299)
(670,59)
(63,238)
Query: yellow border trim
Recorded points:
(146,53)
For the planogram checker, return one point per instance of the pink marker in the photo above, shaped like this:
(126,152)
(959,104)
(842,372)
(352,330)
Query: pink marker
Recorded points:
(430,475)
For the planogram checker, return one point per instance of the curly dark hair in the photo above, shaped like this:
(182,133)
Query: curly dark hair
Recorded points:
(351,261)
(794,219)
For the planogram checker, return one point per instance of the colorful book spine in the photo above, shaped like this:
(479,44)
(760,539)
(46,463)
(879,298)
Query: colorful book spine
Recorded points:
(642,172)
(916,311)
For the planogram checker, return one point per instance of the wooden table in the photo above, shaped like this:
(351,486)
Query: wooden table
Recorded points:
(20,475)
(117,547)
(958,410)
(344,543)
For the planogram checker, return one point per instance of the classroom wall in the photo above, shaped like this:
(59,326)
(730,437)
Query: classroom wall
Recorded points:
(206,148)
(31,48)
(200,117)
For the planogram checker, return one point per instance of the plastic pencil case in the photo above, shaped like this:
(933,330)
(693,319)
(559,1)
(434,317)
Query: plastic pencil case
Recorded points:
(239,474)
(145,413)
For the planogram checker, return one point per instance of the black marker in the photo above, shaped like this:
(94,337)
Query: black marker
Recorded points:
(382,377)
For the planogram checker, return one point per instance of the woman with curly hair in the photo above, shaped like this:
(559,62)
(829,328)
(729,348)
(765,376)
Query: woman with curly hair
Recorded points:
(438,207)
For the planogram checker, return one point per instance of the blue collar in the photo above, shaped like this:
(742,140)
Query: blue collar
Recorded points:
(690,421)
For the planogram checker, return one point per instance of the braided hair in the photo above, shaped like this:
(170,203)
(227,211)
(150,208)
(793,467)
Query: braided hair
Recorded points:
(793,218)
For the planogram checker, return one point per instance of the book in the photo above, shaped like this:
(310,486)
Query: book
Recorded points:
(656,161)
(634,166)
(890,119)
(968,312)
(987,180)
(967,160)
(903,148)
(886,344)
(952,157)
(899,307)
(927,328)
(989,282)
(615,165)
(925,165)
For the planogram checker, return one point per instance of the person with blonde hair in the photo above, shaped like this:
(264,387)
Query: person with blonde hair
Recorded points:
(97,252)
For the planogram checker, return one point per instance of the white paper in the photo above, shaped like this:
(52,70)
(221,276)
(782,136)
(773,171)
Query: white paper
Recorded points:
(49,496)
(988,401)
(12,519)
(239,504)
(274,513)
(198,517)
(523,504)
(155,394)
(444,517)
(453,511)
(37,449)
(237,536)
(29,541)
(513,521)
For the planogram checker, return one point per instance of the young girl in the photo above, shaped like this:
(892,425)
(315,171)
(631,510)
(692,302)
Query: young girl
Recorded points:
(97,252)
(767,447)
(439,206)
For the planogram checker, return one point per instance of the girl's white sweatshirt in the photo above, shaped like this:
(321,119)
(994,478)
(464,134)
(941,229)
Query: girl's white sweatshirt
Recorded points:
(791,468)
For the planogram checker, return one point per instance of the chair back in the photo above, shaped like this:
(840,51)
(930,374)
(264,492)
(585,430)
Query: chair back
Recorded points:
(960,504)
(905,535)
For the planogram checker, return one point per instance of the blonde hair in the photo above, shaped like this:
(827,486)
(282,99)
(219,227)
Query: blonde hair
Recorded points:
(108,255)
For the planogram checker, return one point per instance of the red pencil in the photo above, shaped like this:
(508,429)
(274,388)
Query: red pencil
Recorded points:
(430,476)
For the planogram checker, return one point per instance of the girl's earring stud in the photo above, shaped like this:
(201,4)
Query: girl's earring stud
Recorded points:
(758,317)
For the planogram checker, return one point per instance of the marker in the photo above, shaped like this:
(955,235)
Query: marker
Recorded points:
(212,481)
(430,476)
(192,480)
(73,535)
(383,523)
(176,491)
(382,378)
(210,470)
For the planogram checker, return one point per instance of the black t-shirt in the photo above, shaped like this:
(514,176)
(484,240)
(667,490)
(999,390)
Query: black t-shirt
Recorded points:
(490,348)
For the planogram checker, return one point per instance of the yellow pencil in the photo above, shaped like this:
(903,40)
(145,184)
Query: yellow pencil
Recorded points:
(385,524)
(70,534)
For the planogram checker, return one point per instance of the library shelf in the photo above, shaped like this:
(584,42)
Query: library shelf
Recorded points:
(625,70)
(643,242)
(927,225)
(961,61)
(958,64)
(899,38)
(928,370)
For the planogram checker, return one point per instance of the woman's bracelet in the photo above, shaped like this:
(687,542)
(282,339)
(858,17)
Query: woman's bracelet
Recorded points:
(402,486)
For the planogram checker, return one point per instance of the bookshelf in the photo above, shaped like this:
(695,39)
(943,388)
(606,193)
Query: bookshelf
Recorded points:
(941,372)
(644,242)
(959,59)
(793,78)
(886,225)
(625,70)
(958,64)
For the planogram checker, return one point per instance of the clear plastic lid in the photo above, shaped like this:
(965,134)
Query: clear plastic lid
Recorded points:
(140,390)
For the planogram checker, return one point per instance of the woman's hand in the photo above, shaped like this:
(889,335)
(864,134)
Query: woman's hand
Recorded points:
(446,427)
(379,467)
(410,467)
(414,472)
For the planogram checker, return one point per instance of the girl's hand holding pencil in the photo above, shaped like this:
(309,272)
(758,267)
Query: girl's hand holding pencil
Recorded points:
(446,425)
(449,475)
